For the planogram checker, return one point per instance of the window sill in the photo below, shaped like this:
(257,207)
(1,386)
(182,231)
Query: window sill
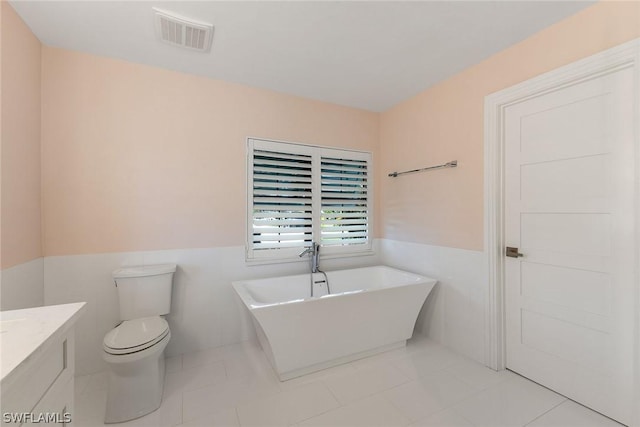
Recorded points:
(250,262)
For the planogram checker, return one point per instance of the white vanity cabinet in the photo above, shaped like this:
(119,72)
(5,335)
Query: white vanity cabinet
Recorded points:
(37,360)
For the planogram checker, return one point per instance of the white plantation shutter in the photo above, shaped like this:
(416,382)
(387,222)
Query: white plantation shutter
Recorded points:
(299,194)
(282,203)
(345,205)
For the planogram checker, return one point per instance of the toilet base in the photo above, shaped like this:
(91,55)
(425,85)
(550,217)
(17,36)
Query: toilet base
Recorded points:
(136,383)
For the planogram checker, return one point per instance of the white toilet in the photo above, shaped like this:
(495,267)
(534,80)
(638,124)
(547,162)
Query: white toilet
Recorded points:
(134,349)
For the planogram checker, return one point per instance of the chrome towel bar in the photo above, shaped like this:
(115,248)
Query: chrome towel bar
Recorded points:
(451,164)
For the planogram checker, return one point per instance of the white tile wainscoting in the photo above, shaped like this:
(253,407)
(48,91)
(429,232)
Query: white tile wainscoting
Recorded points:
(454,313)
(205,312)
(423,384)
(22,286)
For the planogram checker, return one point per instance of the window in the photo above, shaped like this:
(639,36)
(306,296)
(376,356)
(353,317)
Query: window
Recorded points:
(298,194)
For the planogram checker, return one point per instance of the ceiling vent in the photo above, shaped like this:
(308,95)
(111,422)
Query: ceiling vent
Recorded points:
(183,32)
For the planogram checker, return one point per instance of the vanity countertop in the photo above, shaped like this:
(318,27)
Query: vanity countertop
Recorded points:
(27,333)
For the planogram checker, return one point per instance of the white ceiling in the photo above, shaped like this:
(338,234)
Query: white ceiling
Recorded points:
(365,54)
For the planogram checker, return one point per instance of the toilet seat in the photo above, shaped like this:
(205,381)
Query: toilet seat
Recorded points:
(132,336)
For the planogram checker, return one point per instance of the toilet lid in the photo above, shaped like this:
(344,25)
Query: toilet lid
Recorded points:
(132,334)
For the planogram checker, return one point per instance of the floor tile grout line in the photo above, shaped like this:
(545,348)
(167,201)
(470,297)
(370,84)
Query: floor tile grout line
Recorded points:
(382,395)
(227,379)
(461,415)
(321,381)
(273,389)
(501,382)
(461,378)
(546,412)
(323,412)
(473,395)
(340,404)
(213,362)
(475,392)
(441,411)
(373,394)
(313,416)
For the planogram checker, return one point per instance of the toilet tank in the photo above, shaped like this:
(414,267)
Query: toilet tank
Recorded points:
(144,291)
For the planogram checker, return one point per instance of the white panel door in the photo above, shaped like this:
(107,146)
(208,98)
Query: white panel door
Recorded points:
(569,208)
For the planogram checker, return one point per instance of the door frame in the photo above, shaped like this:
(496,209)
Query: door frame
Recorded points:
(626,55)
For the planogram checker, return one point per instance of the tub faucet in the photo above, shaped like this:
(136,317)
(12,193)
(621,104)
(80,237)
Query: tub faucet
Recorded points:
(314,250)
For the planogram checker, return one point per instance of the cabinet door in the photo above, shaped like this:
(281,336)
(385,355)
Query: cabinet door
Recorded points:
(56,404)
(46,387)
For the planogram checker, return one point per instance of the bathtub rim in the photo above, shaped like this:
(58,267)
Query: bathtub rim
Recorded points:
(240,287)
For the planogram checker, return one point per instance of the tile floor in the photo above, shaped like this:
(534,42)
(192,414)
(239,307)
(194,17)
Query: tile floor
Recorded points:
(423,384)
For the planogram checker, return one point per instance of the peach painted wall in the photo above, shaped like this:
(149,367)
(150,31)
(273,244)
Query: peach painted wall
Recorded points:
(20,227)
(140,158)
(1,9)
(445,122)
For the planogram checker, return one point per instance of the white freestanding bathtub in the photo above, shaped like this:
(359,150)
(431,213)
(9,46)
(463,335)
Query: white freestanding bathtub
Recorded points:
(369,310)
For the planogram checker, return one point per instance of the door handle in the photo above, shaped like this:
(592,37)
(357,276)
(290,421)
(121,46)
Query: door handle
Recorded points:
(513,252)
